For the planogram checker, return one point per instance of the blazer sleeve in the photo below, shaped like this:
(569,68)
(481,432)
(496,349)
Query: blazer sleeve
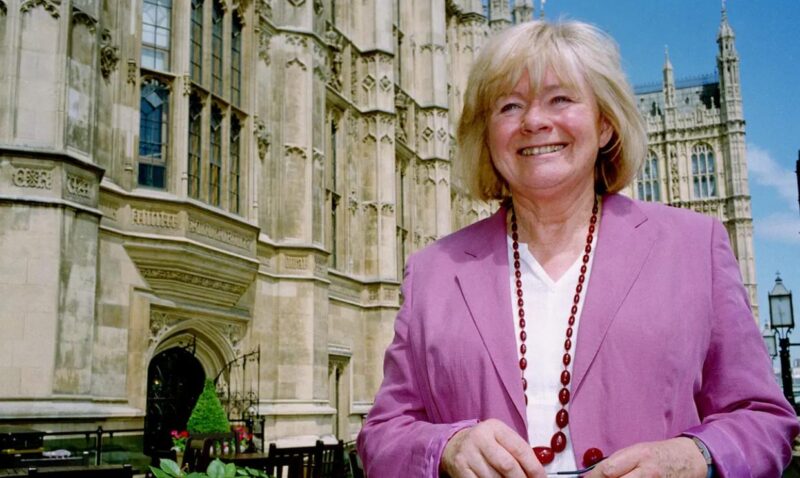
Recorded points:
(747,424)
(398,438)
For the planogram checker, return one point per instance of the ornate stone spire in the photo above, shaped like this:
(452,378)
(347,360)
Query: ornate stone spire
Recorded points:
(541,9)
(669,81)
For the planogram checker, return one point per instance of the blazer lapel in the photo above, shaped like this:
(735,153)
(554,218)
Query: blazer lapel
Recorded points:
(623,245)
(484,283)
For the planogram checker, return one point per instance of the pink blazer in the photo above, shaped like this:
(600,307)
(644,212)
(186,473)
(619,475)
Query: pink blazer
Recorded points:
(667,346)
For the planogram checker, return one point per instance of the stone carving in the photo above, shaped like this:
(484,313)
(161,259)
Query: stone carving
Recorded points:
(441,134)
(160,322)
(109,54)
(352,202)
(133,71)
(387,209)
(368,82)
(192,279)
(219,234)
(33,178)
(298,263)
(673,171)
(109,210)
(161,219)
(318,7)
(50,6)
(264,39)
(297,40)
(187,85)
(401,102)
(296,61)
(264,9)
(427,134)
(3,9)
(319,72)
(334,41)
(386,83)
(291,149)
(79,17)
(263,138)
(78,186)
(386,139)
(297,3)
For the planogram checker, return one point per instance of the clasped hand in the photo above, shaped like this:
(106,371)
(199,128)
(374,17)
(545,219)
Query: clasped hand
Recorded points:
(492,449)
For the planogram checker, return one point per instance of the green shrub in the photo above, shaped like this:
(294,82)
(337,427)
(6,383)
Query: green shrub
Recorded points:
(208,415)
(216,469)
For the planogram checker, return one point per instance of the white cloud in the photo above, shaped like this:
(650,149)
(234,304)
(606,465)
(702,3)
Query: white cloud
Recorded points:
(765,171)
(780,227)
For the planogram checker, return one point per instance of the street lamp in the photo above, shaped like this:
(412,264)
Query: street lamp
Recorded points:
(769,339)
(781,318)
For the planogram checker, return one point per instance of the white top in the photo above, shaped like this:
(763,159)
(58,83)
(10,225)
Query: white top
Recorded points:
(547,307)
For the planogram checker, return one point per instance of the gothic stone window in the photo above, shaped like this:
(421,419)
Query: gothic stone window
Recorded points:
(647,183)
(153,133)
(401,197)
(334,190)
(156,28)
(704,175)
(234,165)
(197,41)
(195,145)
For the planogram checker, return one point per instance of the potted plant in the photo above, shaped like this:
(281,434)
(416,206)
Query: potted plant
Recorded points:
(208,418)
(216,469)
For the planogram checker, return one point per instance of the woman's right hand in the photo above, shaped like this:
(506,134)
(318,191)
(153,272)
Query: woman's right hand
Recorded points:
(489,449)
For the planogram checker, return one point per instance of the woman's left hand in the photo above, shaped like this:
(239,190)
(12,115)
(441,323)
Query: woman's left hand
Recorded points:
(673,458)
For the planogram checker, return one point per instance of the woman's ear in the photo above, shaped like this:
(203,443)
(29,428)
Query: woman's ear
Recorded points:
(606,131)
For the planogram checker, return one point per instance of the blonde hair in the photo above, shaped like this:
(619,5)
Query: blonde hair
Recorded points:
(576,52)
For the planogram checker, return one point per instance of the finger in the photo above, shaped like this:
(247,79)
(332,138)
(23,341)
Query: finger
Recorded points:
(619,464)
(502,462)
(522,453)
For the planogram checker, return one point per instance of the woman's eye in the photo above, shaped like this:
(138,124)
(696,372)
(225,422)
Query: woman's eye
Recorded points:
(562,99)
(509,107)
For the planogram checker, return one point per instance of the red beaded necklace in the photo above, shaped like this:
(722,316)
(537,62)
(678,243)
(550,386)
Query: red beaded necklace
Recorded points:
(558,443)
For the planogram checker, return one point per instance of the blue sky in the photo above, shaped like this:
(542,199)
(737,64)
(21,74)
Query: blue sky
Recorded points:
(770,73)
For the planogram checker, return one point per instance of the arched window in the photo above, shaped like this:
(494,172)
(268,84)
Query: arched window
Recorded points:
(234,171)
(215,158)
(156,28)
(704,175)
(647,183)
(236,60)
(195,146)
(197,41)
(216,48)
(153,133)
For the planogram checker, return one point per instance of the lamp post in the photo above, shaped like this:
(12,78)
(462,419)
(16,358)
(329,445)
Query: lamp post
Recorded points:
(769,339)
(781,318)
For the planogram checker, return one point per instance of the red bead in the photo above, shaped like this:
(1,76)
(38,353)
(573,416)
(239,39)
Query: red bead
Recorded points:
(574,309)
(523,335)
(593,220)
(516,264)
(576,299)
(516,255)
(579,287)
(585,260)
(563,396)
(588,248)
(520,302)
(590,238)
(566,359)
(523,348)
(592,457)
(571,320)
(523,364)
(544,454)
(521,323)
(567,344)
(558,442)
(517,274)
(526,399)
(591,228)
(519,284)
(515,245)
(562,418)
(513,223)
(565,377)
(583,269)
(519,293)
(524,384)
(569,331)
(522,313)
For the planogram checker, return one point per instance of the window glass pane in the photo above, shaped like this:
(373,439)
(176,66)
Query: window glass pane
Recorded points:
(694,164)
(711,162)
(697,188)
(712,189)
(162,19)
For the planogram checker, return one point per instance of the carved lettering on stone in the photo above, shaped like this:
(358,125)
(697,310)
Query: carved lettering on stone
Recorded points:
(161,219)
(109,211)
(33,178)
(295,262)
(78,186)
(219,234)
(50,6)
(192,279)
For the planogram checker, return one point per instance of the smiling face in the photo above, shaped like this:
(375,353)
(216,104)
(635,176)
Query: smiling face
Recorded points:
(545,142)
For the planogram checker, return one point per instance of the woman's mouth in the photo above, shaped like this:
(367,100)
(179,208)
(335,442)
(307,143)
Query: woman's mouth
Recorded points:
(536,150)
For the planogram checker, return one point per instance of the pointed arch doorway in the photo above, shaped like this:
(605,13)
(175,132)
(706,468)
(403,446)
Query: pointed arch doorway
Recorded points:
(174,381)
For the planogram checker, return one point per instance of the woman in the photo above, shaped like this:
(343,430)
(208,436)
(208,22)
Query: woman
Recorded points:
(574,323)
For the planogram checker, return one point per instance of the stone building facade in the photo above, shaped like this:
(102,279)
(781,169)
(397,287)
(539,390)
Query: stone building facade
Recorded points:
(243,175)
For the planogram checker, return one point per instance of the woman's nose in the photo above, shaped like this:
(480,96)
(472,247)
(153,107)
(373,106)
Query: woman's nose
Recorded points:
(535,119)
